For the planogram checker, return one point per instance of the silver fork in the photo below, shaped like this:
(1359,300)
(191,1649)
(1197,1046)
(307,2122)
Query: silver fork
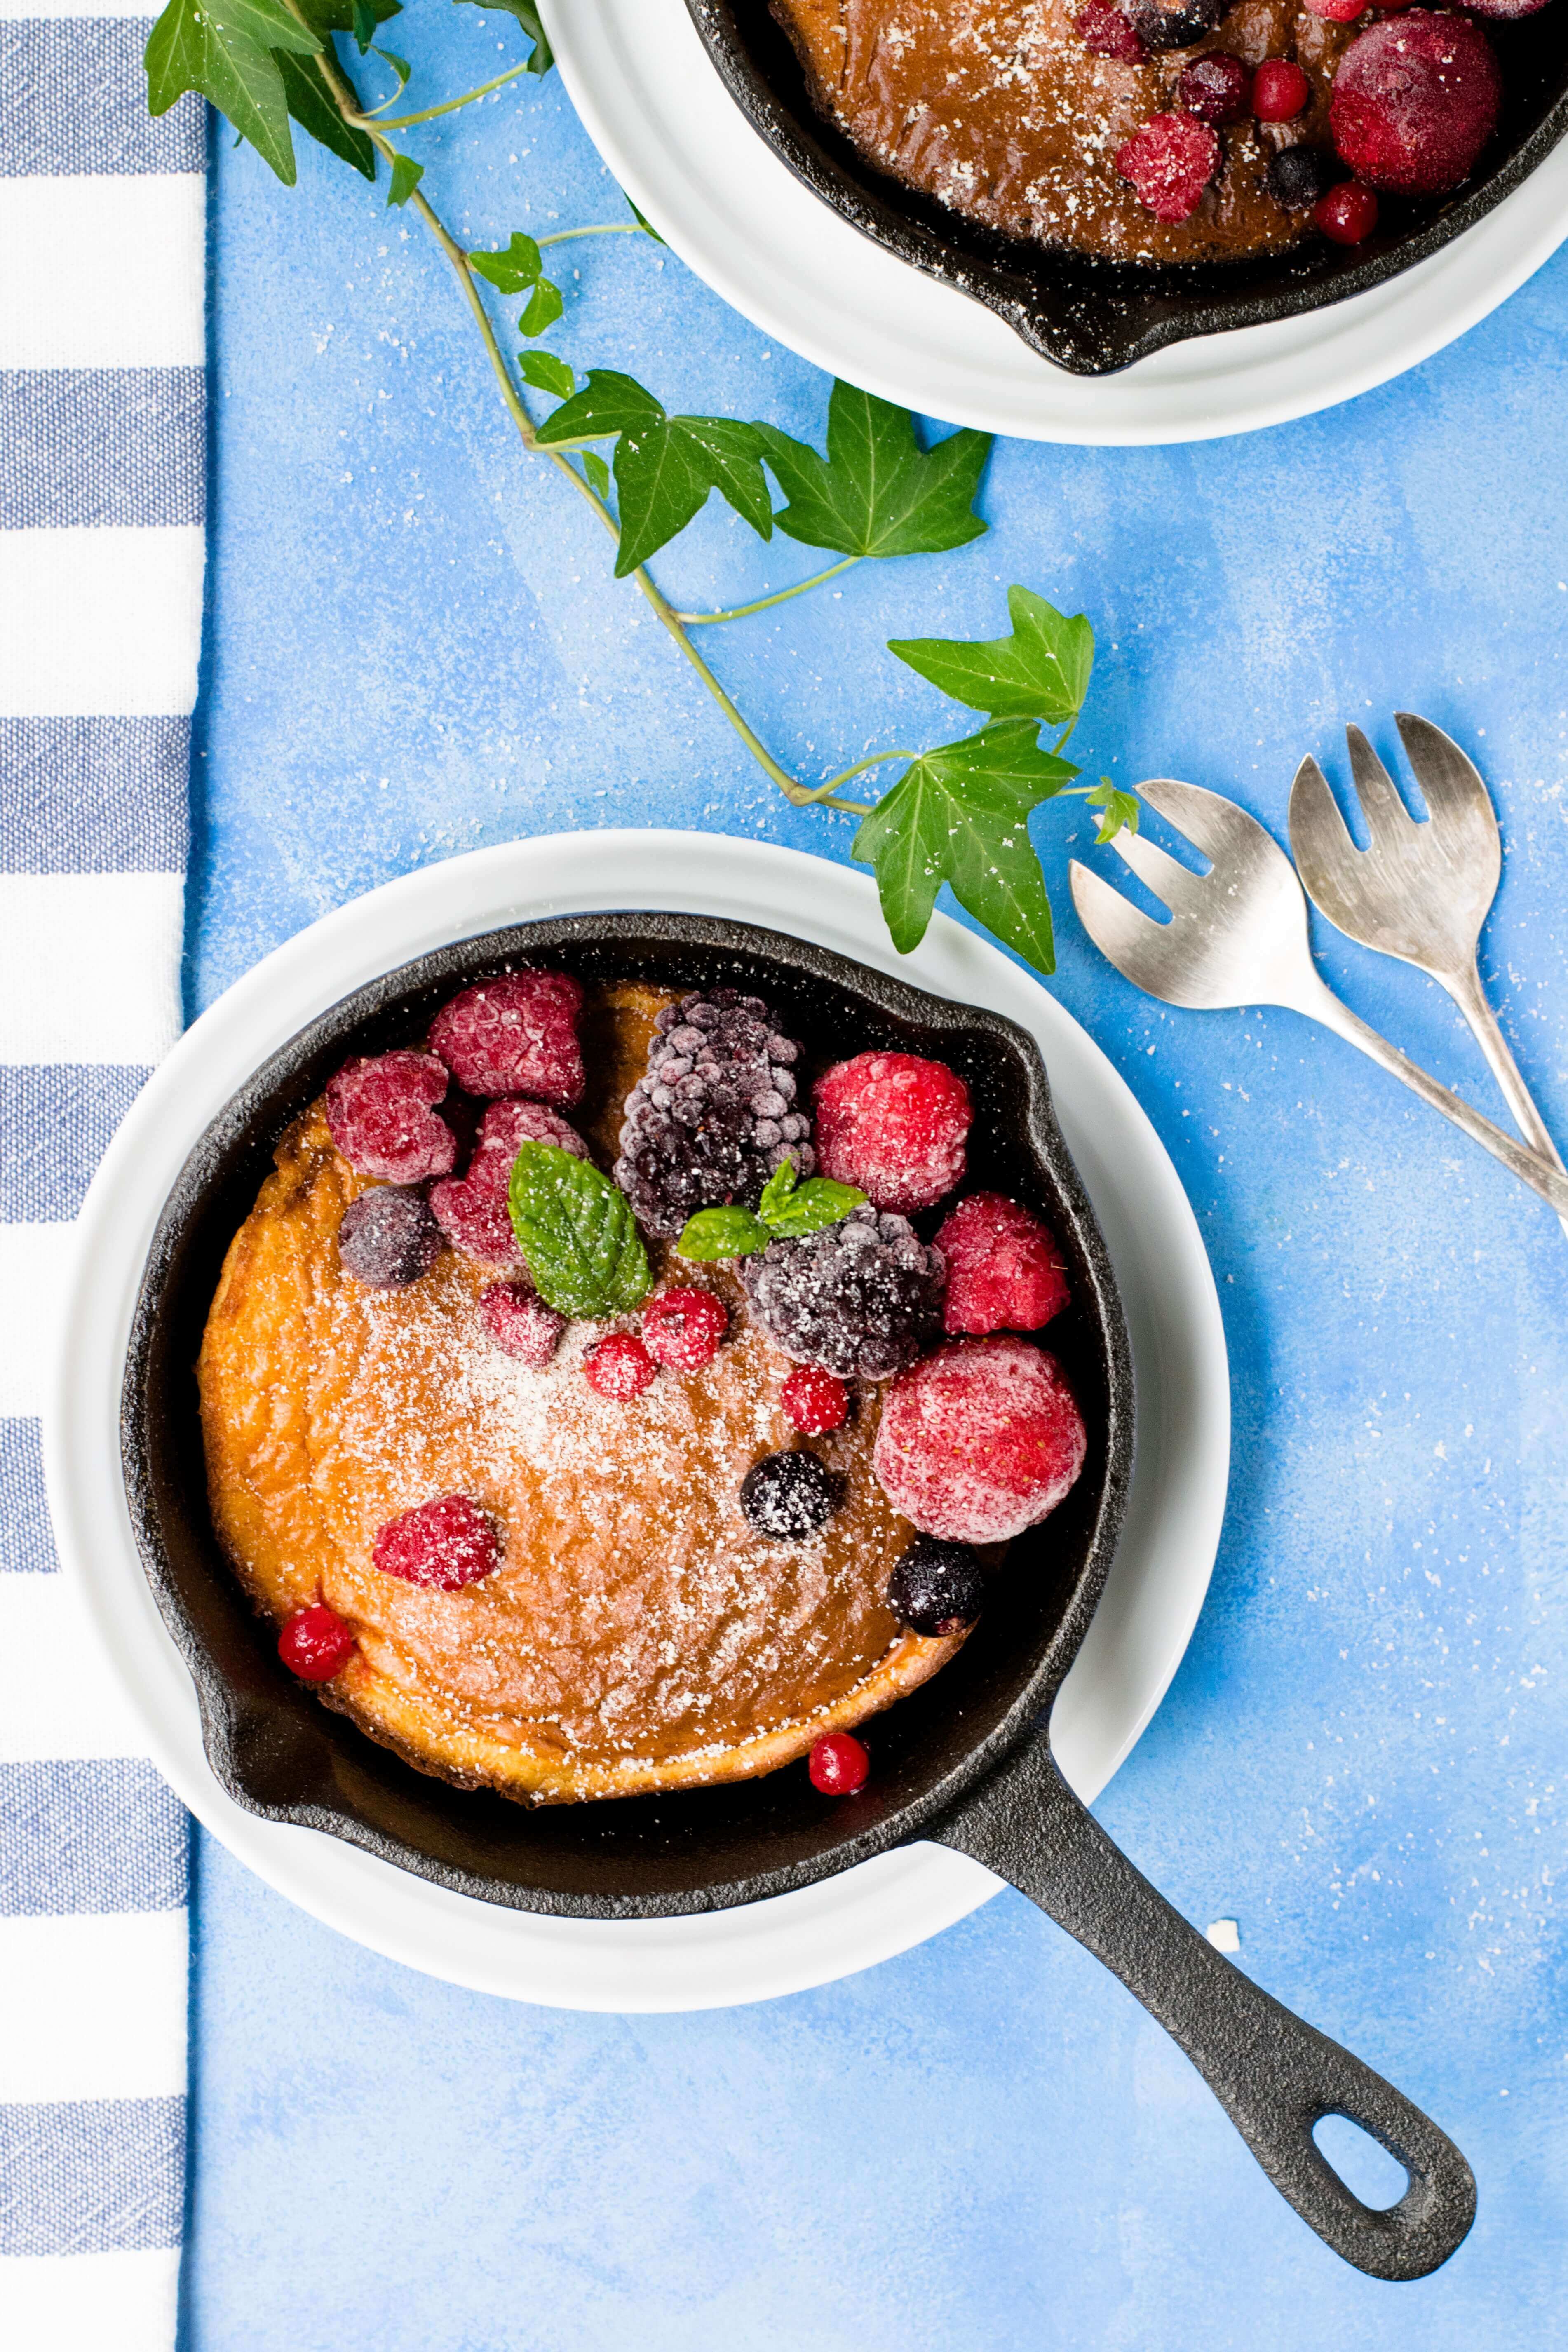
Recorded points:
(1421,892)
(1238,936)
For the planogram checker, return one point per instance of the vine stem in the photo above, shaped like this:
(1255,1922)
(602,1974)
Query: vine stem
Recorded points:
(598,228)
(428,113)
(342,94)
(739,612)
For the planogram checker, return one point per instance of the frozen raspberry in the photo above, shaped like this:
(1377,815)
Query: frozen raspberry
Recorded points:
(473,1212)
(979,1441)
(1279,91)
(1298,176)
(1214,88)
(379,1112)
(1347,214)
(937,1587)
(839,1764)
(315,1643)
(814,1401)
(620,1367)
(1106,32)
(519,1321)
(1416,100)
(515,1036)
(1005,1272)
(895,1125)
(388,1238)
(442,1544)
(1169,162)
(684,1328)
(1338,12)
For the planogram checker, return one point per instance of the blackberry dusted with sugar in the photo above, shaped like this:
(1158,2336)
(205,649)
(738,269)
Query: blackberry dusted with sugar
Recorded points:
(715,1113)
(861,1298)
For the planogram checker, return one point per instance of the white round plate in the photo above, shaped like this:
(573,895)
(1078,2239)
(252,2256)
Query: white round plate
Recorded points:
(1157,1582)
(657,110)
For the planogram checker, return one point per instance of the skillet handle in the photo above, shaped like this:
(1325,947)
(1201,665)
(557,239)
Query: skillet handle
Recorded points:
(1274,2075)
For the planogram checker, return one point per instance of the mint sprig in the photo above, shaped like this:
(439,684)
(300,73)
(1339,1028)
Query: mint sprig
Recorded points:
(576,1233)
(787,1211)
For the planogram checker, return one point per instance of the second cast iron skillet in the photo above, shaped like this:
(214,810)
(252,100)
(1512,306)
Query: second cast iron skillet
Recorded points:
(964,1760)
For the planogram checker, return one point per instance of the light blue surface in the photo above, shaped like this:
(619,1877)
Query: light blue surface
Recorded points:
(414,648)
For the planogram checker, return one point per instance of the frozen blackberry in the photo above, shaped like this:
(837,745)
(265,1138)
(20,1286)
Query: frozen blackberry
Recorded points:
(715,1113)
(861,1298)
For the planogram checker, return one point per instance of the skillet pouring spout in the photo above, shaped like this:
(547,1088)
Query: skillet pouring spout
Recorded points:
(1275,2076)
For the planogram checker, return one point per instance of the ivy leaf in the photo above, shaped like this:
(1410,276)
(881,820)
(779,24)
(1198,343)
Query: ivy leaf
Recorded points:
(642,221)
(1121,809)
(513,267)
(665,465)
(790,1208)
(577,1233)
(528,16)
(544,309)
(609,402)
(406,176)
(877,492)
(961,815)
(312,108)
(1040,671)
(598,473)
(223,50)
(400,65)
(545,372)
(715,1233)
(359,17)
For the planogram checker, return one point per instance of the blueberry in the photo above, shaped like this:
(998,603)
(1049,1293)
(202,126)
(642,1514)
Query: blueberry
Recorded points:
(787,1497)
(936,1587)
(388,1238)
(1298,176)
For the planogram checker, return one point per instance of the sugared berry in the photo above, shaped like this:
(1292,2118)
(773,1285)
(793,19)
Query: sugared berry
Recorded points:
(839,1764)
(521,1324)
(1106,31)
(895,1125)
(1338,12)
(315,1643)
(979,1441)
(1298,176)
(441,1544)
(1348,213)
(788,1497)
(387,1238)
(1170,161)
(859,1297)
(1004,1271)
(380,1116)
(1161,28)
(473,1209)
(814,1401)
(684,1328)
(715,1112)
(514,1035)
(1214,88)
(1416,100)
(618,1367)
(1505,10)
(936,1587)
(1279,91)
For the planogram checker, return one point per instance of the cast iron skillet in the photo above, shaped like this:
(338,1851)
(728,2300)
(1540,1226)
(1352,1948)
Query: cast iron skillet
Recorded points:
(1093,317)
(963,1760)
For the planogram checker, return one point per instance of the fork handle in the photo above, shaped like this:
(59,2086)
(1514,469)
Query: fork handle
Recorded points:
(1465,988)
(1530,1167)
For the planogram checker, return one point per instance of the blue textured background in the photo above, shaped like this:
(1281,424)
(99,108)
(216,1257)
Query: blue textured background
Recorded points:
(414,648)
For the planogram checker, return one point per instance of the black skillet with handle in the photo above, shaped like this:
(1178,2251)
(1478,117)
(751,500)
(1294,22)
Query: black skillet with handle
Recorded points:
(965,1761)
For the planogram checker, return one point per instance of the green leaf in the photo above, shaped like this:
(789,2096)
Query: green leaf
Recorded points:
(734,466)
(511,268)
(545,372)
(665,465)
(1121,809)
(806,1208)
(714,1234)
(961,815)
(577,1233)
(223,49)
(598,473)
(1040,671)
(406,176)
(642,221)
(400,65)
(527,15)
(350,17)
(544,309)
(312,109)
(609,402)
(877,492)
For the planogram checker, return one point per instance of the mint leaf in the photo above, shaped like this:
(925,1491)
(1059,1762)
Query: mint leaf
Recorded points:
(1041,671)
(810,1207)
(714,1234)
(665,465)
(960,815)
(528,16)
(577,1233)
(777,1190)
(598,473)
(312,109)
(515,266)
(1121,809)
(223,49)
(544,309)
(877,492)
(545,372)
(406,176)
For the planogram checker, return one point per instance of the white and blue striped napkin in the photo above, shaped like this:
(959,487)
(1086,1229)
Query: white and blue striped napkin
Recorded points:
(102,470)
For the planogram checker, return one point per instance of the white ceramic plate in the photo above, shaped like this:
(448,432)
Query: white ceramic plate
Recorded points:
(1157,1582)
(659,114)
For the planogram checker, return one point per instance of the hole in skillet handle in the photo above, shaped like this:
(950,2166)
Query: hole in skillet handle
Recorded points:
(280,1753)
(1091,316)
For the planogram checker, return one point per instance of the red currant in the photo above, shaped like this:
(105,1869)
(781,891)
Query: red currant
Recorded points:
(1214,88)
(619,1367)
(315,1643)
(1279,91)
(683,1329)
(1347,214)
(838,1765)
(814,1401)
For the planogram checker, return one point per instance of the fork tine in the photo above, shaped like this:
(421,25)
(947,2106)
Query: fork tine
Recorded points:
(1174,884)
(1121,931)
(1319,837)
(1451,784)
(1384,812)
(1218,827)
